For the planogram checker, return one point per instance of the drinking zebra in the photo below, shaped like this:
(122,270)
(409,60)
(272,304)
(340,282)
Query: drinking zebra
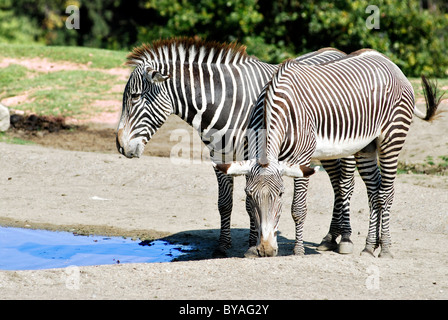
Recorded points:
(212,87)
(361,105)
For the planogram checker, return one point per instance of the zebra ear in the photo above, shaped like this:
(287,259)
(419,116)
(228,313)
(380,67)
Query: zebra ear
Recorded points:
(235,168)
(297,171)
(155,76)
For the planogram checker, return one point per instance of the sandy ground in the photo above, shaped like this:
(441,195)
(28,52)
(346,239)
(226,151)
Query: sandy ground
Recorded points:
(43,186)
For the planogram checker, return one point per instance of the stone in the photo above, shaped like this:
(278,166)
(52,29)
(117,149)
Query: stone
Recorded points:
(4,118)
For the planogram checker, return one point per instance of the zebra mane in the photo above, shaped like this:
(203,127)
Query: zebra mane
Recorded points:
(192,48)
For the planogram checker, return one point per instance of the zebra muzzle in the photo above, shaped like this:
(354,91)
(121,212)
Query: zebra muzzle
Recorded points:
(118,141)
(267,246)
(132,148)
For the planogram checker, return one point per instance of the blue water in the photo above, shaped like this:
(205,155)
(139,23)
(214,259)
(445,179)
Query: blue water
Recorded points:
(28,249)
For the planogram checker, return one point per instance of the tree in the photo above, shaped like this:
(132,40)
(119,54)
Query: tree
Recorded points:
(412,33)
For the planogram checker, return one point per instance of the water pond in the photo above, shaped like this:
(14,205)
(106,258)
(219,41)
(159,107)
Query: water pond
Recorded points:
(28,249)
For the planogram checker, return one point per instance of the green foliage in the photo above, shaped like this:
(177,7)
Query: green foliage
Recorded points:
(411,34)
(413,38)
(16,29)
(215,19)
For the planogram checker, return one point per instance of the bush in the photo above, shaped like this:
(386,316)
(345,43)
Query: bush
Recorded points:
(16,28)
(412,35)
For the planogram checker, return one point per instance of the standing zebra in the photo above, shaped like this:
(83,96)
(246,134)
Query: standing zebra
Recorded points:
(341,171)
(358,105)
(212,87)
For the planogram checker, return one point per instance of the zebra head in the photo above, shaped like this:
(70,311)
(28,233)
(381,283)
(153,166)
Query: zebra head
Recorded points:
(146,106)
(264,190)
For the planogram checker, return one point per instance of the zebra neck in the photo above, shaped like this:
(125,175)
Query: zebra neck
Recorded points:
(276,134)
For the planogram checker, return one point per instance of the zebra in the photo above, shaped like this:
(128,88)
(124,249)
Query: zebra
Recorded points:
(209,85)
(341,171)
(361,105)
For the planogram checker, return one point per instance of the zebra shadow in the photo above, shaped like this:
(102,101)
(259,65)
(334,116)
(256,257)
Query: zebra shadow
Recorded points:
(202,243)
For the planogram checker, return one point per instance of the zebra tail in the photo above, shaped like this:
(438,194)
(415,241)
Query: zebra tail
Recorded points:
(432,98)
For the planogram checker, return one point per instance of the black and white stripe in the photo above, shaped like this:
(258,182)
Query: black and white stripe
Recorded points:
(212,87)
(359,105)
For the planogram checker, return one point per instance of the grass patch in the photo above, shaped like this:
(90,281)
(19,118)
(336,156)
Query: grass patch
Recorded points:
(418,89)
(11,74)
(99,58)
(66,93)
(4,137)
(438,166)
(61,93)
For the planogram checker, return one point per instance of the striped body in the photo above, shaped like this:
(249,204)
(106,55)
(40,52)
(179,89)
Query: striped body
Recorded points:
(369,107)
(359,105)
(209,85)
(310,115)
(212,87)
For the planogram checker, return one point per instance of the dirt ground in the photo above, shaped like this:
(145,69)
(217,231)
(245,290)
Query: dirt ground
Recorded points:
(54,184)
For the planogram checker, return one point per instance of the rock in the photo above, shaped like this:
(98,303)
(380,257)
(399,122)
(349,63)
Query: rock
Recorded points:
(4,118)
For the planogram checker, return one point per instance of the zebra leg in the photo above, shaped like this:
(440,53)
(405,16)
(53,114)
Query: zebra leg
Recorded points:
(253,234)
(370,174)
(225,204)
(382,189)
(341,173)
(346,187)
(388,152)
(252,252)
(388,163)
(298,211)
(333,169)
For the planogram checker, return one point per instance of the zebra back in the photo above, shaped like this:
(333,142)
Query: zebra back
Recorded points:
(351,100)
(211,86)
(256,135)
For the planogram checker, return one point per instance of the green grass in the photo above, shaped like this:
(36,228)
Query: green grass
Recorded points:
(67,93)
(418,89)
(4,137)
(431,165)
(61,93)
(11,74)
(99,58)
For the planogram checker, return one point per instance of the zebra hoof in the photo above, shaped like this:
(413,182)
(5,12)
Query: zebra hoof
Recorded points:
(345,246)
(252,252)
(299,251)
(385,253)
(219,253)
(326,245)
(367,252)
